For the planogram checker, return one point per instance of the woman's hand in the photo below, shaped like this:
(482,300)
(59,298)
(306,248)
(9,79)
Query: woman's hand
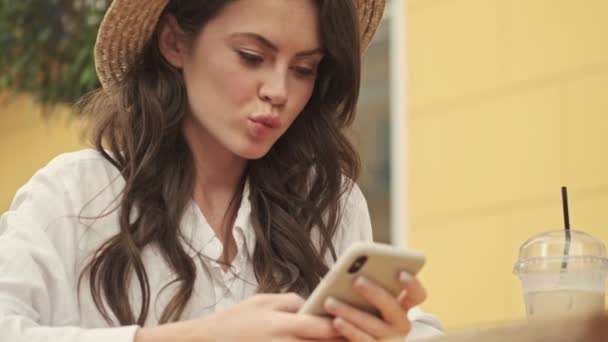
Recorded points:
(360,326)
(266,317)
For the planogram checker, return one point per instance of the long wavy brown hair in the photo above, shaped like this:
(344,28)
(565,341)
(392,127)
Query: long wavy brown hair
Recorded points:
(294,188)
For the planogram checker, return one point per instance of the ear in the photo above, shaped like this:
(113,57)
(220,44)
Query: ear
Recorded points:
(171,41)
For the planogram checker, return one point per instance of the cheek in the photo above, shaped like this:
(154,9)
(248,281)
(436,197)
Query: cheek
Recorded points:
(218,86)
(300,98)
(233,87)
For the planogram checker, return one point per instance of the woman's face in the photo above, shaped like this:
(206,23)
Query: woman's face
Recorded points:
(250,72)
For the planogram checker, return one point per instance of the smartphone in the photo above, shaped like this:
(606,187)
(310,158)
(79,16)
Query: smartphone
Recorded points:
(378,262)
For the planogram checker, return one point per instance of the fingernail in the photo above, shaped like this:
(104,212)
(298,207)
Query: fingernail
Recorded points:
(405,277)
(361,282)
(402,296)
(331,303)
(339,322)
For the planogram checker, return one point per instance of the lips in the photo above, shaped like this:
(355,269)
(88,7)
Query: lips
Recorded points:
(268,120)
(263,125)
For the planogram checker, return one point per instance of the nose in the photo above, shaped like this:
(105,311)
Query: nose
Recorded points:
(274,88)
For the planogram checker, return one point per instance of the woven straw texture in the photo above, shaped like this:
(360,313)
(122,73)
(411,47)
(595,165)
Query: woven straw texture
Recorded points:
(129,24)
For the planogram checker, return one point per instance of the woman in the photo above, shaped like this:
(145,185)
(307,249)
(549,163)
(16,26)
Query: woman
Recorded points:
(221,188)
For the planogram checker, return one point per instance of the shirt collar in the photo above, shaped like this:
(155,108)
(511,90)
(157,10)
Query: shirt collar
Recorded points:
(243,223)
(199,233)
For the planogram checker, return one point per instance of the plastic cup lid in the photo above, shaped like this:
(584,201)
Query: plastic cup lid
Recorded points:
(558,249)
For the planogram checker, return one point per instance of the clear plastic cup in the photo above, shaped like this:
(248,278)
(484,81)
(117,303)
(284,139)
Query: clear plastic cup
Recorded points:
(561,275)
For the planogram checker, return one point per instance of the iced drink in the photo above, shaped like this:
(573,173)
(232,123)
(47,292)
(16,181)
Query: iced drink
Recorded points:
(555,302)
(562,275)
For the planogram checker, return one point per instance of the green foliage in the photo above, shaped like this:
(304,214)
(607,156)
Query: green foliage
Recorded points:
(46,47)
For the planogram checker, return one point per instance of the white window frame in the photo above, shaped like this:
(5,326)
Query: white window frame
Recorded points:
(399,226)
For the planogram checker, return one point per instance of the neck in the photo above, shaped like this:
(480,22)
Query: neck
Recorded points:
(216,168)
(217,173)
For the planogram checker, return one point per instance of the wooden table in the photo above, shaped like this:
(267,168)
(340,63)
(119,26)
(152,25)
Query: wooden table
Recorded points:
(573,329)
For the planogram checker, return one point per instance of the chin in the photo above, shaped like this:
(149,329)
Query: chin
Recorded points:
(253,152)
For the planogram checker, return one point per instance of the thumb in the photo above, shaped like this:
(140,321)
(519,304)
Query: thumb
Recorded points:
(287,302)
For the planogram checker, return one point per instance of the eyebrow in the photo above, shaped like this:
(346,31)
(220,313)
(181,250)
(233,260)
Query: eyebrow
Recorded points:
(260,39)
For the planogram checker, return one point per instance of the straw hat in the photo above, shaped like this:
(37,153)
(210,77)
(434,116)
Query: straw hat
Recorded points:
(129,24)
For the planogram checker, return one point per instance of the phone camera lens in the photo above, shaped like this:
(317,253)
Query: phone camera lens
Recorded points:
(356,266)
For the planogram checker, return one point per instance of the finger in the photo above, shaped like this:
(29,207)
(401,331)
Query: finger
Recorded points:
(385,302)
(416,293)
(371,324)
(307,326)
(402,300)
(288,302)
(295,339)
(351,332)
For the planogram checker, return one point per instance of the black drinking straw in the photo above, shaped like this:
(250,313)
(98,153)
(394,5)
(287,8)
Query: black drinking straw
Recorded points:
(566,227)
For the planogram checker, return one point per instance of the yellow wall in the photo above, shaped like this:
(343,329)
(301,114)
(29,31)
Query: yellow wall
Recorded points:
(27,142)
(508,102)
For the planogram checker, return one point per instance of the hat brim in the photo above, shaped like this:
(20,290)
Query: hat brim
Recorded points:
(128,25)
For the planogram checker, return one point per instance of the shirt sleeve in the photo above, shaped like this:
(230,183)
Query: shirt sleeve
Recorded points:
(356,226)
(38,302)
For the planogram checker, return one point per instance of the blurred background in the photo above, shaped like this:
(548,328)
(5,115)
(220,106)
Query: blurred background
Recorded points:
(473,114)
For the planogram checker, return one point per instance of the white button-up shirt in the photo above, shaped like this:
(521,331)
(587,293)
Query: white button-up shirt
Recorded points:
(55,223)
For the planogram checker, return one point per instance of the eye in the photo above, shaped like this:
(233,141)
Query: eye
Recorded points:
(250,58)
(305,71)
